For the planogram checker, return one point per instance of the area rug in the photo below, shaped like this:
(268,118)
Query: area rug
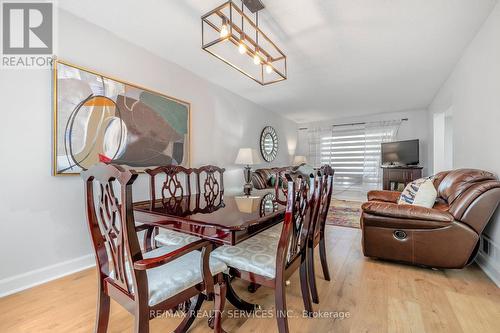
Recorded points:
(344,213)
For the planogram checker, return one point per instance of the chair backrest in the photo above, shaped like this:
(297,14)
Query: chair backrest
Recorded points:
(176,184)
(325,176)
(298,224)
(111,223)
(209,179)
(281,184)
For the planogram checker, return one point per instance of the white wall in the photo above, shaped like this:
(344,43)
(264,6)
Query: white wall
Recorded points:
(43,219)
(415,128)
(473,91)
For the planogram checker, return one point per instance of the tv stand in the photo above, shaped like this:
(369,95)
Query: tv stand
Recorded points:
(396,177)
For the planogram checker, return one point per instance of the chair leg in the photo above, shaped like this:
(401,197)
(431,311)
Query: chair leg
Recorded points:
(220,300)
(304,287)
(235,300)
(141,322)
(312,275)
(190,315)
(281,311)
(102,315)
(322,255)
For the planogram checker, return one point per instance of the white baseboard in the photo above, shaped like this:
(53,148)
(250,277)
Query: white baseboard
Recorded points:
(36,277)
(490,264)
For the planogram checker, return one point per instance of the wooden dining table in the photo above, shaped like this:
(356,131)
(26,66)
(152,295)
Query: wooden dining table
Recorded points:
(222,218)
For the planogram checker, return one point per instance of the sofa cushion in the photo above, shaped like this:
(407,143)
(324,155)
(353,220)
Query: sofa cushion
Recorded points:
(458,181)
(405,211)
(387,196)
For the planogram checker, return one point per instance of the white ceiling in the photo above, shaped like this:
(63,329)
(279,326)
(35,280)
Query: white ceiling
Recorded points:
(345,57)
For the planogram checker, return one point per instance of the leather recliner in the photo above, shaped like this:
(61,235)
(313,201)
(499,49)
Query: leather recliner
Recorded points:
(445,236)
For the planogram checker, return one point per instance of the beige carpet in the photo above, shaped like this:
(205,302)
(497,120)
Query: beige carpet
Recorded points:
(344,213)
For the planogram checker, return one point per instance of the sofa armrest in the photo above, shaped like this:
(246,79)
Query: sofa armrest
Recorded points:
(386,196)
(393,210)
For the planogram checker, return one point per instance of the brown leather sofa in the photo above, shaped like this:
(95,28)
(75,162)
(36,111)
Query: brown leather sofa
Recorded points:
(264,178)
(445,236)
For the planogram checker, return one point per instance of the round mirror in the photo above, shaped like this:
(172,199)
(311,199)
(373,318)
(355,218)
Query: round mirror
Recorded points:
(269,143)
(268,204)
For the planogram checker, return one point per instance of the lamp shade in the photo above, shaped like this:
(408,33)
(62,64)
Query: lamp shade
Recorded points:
(299,159)
(248,204)
(247,156)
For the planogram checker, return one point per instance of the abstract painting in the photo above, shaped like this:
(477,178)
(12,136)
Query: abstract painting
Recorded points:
(100,119)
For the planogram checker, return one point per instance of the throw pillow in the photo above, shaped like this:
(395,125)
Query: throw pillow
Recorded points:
(272,181)
(420,192)
(258,182)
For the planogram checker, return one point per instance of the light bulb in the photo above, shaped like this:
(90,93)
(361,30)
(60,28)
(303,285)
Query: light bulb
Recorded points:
(269,69)
(223,31)
(242,48)
(256,59)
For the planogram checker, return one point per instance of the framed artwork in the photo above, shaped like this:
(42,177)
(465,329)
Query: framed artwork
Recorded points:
(98,118)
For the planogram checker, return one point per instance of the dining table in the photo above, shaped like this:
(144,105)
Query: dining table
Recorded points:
(224,218)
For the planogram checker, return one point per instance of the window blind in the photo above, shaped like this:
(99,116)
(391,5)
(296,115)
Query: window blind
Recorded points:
(353,151)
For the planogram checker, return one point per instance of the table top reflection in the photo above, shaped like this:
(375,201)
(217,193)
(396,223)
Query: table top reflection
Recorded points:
(228,217)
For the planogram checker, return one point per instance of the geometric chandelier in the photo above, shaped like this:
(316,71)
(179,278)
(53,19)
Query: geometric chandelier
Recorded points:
(230,35)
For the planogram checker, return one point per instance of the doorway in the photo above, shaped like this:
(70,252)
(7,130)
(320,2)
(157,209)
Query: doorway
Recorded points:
(443,140)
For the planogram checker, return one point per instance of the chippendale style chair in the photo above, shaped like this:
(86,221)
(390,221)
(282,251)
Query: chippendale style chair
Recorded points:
(281,185)
(270,261)
(175,195)
(325,179)
(176,190)
(210,188)
(213,179)
(147,284)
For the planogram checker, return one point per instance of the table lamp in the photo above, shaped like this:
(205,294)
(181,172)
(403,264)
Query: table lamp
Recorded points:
(299,159)
(247,157)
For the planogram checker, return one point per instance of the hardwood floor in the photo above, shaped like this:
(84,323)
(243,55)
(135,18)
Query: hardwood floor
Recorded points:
(378,297)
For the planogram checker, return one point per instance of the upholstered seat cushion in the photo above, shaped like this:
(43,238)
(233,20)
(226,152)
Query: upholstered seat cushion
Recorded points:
(170,279)
(171,237)
(274,231)
(256,255)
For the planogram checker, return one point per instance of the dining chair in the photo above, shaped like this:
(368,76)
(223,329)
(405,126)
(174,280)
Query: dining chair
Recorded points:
(280,196)
(209,179)
(175,194)
(146,284)
(280,184)
(210,188)
(325,181)
(270,261)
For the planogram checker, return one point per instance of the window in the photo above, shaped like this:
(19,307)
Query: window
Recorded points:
(353,151)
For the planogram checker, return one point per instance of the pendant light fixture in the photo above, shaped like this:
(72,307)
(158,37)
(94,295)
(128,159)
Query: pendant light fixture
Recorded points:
(231,35)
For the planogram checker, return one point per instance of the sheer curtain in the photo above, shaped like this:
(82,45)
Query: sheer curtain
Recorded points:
(376,133)
(317,139)
(353,151)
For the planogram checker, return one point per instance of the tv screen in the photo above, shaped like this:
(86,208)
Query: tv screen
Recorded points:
(400,153)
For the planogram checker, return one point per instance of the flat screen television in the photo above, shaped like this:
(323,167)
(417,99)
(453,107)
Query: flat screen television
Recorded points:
(400,153)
